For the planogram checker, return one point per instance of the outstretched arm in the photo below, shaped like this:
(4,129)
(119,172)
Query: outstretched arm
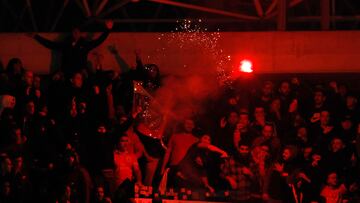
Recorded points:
(94,43)
(124,67)
(213,149)
(48,43)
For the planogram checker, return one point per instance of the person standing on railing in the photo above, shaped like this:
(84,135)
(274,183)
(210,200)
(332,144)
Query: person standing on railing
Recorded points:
(74,49)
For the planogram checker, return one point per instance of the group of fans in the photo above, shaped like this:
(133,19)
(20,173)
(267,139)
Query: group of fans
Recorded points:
(73,137)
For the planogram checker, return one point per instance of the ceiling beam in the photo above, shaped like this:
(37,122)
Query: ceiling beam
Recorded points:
(33,21)
(80,5)
(112,9)
(205,9)
(325,14)
(291,4)
(258,8)
(20,17)
(14,14)
(174,20)
(355,18)
(95,6)
(271,8)
(233,20)
(282,15)
(86,8)
(59,15)
(101,7)
(156,16)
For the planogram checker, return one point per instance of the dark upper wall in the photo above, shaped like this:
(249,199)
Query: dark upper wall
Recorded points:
(271,52)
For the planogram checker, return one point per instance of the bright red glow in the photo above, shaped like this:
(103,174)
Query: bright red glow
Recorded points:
(246,66)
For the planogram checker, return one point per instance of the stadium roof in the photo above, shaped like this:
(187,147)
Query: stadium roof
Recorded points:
(163,15)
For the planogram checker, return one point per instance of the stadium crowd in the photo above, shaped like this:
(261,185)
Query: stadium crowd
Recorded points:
(72,137)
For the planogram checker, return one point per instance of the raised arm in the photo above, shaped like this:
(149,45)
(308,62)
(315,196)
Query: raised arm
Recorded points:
(139,63)
(140,68)
(124,67)
(94,43)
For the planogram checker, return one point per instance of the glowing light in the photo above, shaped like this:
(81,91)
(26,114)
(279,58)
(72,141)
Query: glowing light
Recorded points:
(246,66)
